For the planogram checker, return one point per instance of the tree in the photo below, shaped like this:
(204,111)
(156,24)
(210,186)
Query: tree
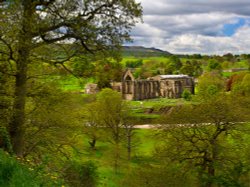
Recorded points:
(92,124)
(241,84)
(204,139)
(111,116)
(246,85)
(111,109)
(229,57)
(174,64)
(28,27)
(214,65)
(129,122)
(134,63)
(209,85)
(234,81)
(191,68)
(5,96)
(81,174)
(52,122)
(82,66)
(107,71)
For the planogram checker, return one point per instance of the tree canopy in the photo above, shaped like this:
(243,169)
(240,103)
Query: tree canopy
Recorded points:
(54,31)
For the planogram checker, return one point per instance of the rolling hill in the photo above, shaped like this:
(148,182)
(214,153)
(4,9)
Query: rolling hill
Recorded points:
(139,51)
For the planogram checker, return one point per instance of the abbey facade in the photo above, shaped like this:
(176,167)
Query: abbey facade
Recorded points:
(169,86)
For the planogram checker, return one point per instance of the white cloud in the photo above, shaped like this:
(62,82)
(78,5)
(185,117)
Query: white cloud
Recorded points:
(171,7)
(191,43)
(193,26)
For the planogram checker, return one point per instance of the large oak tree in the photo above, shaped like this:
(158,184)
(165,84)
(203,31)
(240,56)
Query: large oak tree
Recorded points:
(32,31)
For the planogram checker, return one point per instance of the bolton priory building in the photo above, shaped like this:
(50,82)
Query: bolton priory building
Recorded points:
(168,86)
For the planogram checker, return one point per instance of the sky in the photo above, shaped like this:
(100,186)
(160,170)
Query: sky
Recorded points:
(195,26)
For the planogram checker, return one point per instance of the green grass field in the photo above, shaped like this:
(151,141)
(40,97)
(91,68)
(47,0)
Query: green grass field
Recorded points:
(144,141)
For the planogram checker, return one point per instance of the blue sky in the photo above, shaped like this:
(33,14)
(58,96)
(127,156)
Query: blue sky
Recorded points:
(195,26)
(230,29)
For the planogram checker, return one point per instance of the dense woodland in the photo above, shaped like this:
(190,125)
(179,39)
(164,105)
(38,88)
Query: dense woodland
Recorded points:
(53,134)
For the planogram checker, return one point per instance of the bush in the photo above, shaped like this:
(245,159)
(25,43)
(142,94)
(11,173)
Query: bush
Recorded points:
(14,174)
(81,174)
(186,94)
(17,174)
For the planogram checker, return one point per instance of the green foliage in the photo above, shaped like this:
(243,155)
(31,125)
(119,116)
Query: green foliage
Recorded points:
(106,71)
(156,175)
(210,85)
(110,102)
(148,69)
(88,36)
(5,143)
(14,174)
(241,84)
(92,124)
(186,94)
(214,65)
(192,68)
(6,92)
(142,52)
(229,57)
(210,151)
(235,80)
(174,64)
(82,66)
(79,174)
(111,112)
(134,64)
(52,121)
(101,69)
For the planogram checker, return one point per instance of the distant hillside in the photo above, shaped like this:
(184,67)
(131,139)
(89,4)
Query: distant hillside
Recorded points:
(139,51)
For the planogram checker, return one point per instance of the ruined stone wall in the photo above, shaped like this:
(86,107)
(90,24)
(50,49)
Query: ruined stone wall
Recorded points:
(117,86)
(173,88)
(91,88)
(145,89)
(169,86)
(140,89)
(188,84)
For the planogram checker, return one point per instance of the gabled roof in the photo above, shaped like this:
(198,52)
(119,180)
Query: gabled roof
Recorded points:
(173,76)
(128,74)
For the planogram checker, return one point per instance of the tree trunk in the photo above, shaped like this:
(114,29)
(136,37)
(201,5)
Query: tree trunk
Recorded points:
(211,174)
(129,142)
(92,143)
(116,158)
(16,127)
(129,148)
(211,169)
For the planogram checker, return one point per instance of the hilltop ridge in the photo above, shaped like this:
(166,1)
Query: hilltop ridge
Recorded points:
(140,51)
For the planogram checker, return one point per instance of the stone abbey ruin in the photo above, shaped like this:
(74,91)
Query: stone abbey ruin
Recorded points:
(168,86)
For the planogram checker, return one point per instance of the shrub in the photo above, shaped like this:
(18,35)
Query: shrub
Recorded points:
(186,94)
(14,174)
(81,174)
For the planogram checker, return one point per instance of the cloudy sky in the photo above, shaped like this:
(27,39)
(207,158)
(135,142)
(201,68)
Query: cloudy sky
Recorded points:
(195,26)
